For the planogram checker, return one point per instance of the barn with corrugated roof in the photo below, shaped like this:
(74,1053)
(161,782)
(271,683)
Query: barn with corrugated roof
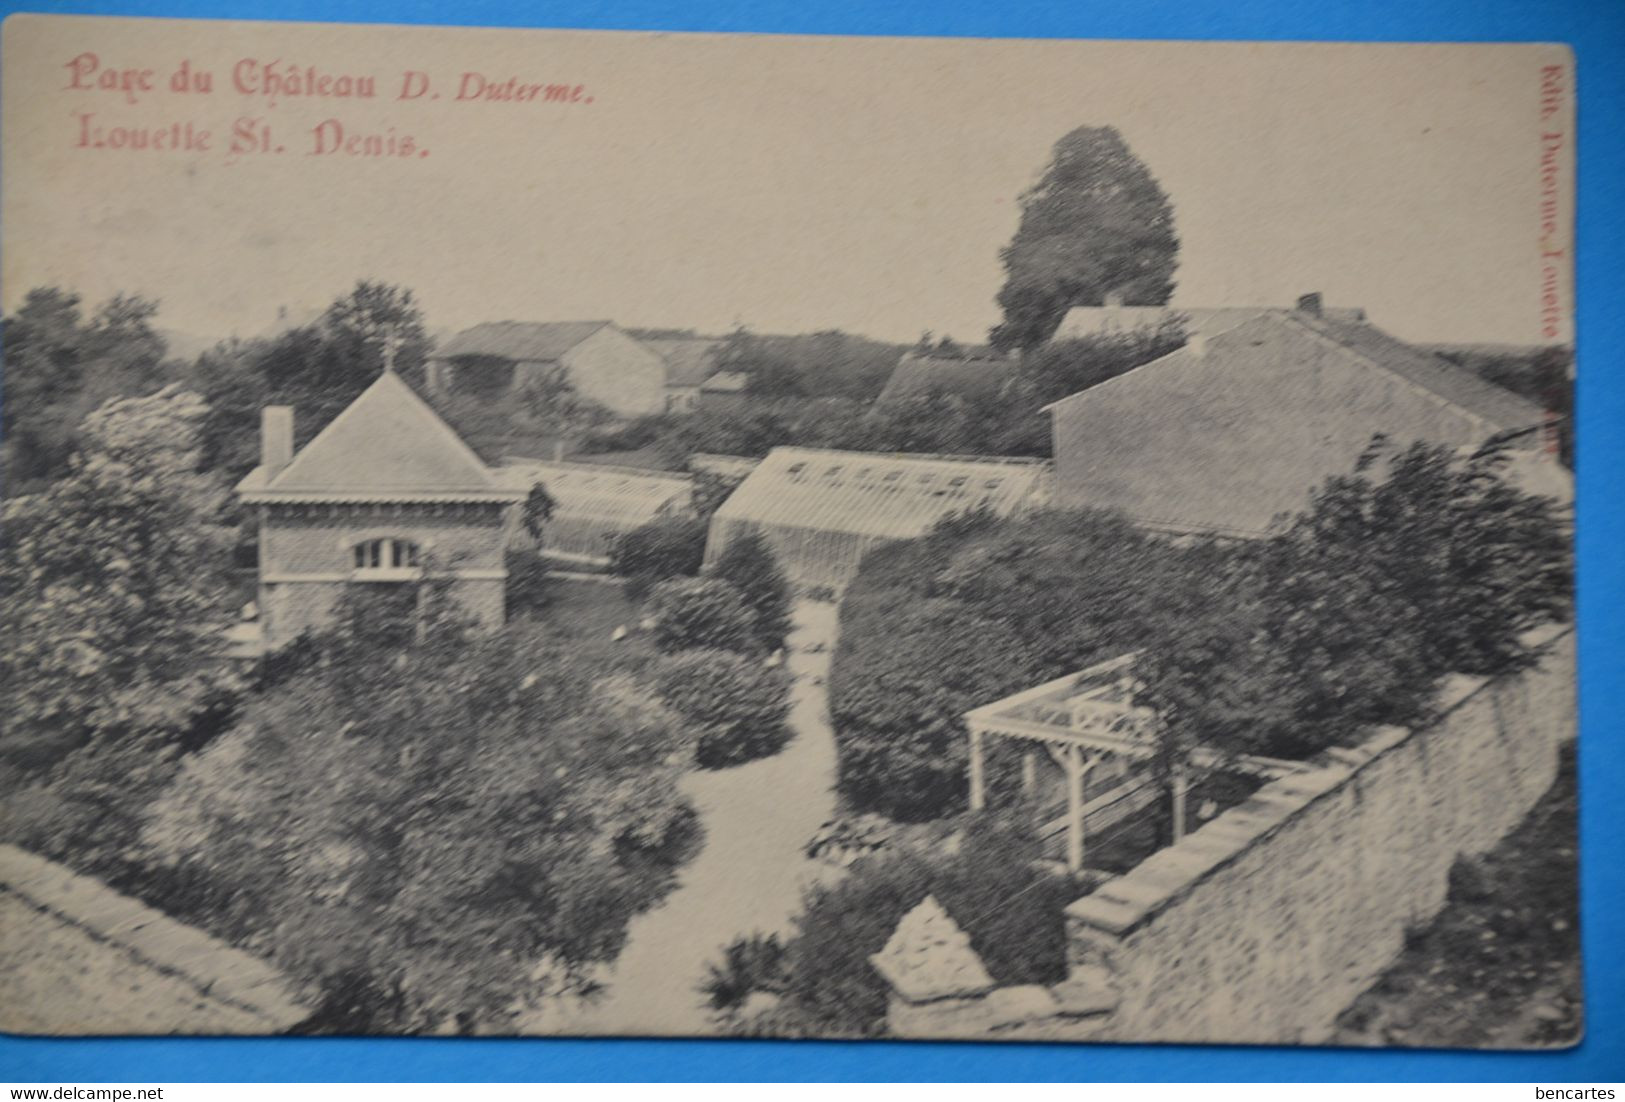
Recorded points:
(821,511)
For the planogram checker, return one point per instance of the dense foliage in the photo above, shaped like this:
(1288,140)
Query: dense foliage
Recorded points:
(463,820)
(1012,909)
(933,627)
(59,366)
(1095,224)
(668,547)
(702,612)
(111,595)
(318,369)
(1418,565)
(748,564)
(735,706)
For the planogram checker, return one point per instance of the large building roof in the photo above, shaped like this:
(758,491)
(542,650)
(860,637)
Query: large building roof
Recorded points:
(1230,431)
(521,341)
(387,445)
(1205,321)
(1457,385)
(972,379)
(878,494)
(689,360)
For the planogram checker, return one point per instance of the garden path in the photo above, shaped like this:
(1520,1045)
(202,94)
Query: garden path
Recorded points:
(750,873)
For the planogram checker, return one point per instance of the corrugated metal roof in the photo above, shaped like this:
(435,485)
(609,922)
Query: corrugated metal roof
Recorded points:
(387,445)
(689,360)
(879,494)
(521,341)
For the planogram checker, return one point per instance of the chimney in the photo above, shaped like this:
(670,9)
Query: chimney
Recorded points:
(276,439)
(1196,343)
(1310,303)
(1114,298)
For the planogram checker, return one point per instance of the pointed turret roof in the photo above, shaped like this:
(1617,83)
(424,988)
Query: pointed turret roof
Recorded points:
(387,445)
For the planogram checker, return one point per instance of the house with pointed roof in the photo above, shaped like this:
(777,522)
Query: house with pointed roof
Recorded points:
(385,491)
(1239,426)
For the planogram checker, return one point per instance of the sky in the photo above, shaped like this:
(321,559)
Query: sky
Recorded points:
(787,184)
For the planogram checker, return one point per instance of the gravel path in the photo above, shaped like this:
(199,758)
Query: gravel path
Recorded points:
(750,873)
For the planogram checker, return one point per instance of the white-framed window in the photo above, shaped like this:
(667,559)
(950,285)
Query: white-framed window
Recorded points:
(385,560)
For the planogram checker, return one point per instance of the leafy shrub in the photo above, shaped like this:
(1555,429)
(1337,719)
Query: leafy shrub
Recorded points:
(553,796)
(978,609)
(702,612)
(750,964)
(1012,909)
(747,564)
(671,547)
(735,706)
(1358,607)
(529,588)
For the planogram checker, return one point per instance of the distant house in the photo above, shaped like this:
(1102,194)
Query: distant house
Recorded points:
(821,511)
(603,363)
(1225,433)
(978,379)
(689,361)
(725,391)
(385,490)
(1197,321)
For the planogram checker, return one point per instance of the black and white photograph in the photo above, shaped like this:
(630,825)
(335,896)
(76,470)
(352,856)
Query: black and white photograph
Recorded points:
(614,534)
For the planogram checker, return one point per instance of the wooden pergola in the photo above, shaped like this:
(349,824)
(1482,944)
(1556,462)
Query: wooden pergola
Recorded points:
(1082,720)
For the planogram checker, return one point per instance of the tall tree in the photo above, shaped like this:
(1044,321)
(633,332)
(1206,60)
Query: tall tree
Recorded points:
(1096,224)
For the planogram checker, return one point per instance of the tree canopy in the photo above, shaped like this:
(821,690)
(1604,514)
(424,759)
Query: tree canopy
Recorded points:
(467,821)
(1096,224)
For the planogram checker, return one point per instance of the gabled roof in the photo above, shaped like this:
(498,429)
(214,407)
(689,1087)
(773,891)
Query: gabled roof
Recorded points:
(522,341)
(1226,437)
(971,379)
(387,445)
(689,360)
(1457,385)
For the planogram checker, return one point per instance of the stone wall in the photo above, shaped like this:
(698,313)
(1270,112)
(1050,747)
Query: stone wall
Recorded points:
(1262,926)
(1266,923)
(78,958)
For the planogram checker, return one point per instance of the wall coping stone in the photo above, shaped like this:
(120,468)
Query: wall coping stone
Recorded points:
(217,970)
(1125,902)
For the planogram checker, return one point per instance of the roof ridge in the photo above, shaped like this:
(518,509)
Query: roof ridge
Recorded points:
(387,383)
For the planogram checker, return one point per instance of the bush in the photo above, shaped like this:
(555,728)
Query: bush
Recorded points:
(1357,608)
(702,612)
(736,708)
(978,609)
(747,564)
(1012,909)
(671,547)
(529,587)
(750,964)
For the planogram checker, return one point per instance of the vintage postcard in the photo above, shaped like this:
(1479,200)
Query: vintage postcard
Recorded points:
(523,532)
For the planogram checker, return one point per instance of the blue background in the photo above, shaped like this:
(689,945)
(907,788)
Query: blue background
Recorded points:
(1596,31)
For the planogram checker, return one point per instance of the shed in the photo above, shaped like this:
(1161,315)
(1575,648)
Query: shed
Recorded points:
(594,503)
(821,511)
